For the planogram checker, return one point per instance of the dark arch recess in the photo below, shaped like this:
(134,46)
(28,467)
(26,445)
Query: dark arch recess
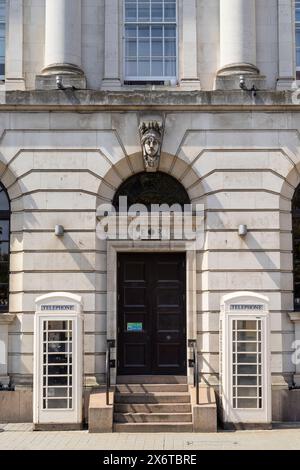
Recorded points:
(4,248)
(296,246)
(152,188)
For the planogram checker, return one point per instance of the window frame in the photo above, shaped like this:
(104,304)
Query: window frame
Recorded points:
(150,79)
(297,26)
(4,21)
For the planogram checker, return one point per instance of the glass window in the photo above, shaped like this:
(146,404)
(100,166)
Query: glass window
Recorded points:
(4,249)
(247,364)
(2,37)
(150,40)
(57,364)
(297,20)
(152,188)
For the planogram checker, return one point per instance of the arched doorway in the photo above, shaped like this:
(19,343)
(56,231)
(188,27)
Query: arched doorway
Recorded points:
(4,249)
(296,246)
(151,287)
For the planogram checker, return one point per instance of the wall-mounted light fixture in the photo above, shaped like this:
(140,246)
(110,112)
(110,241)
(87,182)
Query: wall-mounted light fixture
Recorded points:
(59,230)
(244,87)
(59,82)
(243,230)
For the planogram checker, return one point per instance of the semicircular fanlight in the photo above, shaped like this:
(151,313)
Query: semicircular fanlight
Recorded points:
(152,188)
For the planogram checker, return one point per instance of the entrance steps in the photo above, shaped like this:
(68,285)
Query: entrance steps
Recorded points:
(151,379)
(152,404)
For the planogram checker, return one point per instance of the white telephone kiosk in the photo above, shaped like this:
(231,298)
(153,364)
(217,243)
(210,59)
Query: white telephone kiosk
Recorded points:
(57,394)
(245,388)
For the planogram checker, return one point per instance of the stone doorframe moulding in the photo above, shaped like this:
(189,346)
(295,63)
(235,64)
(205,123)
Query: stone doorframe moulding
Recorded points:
(6,319)
(115,247)
(295,318)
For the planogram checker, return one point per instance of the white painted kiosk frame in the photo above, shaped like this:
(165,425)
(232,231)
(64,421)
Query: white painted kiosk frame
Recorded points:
(57,388)
(244,346)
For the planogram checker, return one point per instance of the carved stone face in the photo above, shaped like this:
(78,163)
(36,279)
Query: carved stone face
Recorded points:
(151,141)
(151,146)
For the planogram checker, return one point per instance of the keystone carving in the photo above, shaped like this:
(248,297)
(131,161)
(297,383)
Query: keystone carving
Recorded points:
(151,141)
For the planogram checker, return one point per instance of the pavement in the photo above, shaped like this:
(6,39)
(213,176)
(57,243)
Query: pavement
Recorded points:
(21,437)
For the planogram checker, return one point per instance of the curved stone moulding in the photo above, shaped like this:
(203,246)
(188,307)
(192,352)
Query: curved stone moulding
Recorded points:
(62,69)
(238,69)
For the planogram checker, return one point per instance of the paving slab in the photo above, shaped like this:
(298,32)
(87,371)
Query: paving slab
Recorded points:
(21,437)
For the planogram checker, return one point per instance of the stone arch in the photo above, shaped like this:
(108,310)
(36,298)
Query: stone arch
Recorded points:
(11,184)
(12,203)
(133,164)
(152,188)
(287,192)
(118,173)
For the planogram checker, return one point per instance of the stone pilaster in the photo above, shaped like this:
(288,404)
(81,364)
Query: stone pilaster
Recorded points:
(5,321)
(14,75)
(189,79)
(111,80)
(286,42)
(295,318)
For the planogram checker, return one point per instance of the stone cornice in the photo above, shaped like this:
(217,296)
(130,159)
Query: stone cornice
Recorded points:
(6,318)
(125,100)
(294,316)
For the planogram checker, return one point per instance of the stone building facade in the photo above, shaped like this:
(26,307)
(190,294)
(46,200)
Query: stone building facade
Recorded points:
(79,78)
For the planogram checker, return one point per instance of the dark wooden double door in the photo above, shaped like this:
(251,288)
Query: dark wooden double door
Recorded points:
(151,314)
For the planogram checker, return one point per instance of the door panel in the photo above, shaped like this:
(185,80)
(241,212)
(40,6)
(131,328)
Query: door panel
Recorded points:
(151,313)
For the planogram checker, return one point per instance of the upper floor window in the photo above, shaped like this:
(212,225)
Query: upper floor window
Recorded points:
(2,37)
(150,40)
(297,21)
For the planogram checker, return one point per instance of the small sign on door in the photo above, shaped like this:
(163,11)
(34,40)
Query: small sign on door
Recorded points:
(135,326)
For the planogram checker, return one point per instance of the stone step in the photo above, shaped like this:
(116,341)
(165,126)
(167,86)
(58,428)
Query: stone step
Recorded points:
(152,408)
(155,397)
(150,388)
(151,379)
(153,427)
(153,418)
